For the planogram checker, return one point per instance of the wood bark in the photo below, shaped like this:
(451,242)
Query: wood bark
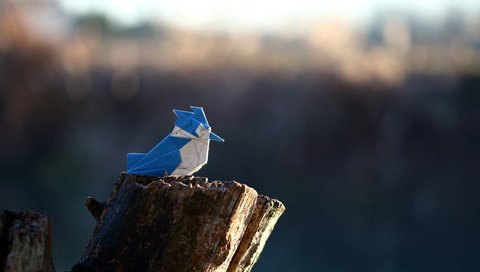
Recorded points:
(148,224)
(264,216)
(178,224)
(25,242)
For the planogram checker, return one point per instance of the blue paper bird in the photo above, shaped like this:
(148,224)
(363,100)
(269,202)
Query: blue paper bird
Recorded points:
(183,152)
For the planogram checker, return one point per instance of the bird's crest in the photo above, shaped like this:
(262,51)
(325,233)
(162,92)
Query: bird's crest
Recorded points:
(189,121)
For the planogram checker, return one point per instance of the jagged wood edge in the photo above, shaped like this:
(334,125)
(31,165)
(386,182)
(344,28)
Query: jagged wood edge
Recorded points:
(251,238)
(25,242)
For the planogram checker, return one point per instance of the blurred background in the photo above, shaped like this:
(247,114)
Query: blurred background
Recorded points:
(361,116)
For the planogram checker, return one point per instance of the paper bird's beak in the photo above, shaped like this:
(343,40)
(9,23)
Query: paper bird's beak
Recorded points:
(215,137)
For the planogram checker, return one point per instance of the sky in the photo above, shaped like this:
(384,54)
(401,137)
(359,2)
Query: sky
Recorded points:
(256,14)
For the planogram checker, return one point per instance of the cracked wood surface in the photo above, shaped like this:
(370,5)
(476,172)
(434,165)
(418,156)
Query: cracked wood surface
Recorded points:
(178,224)
(25,242)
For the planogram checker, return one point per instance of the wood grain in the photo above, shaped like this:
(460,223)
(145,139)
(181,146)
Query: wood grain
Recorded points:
(178,224)
(25,242)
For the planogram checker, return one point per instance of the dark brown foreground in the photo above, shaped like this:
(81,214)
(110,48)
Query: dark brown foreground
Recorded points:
(151,224)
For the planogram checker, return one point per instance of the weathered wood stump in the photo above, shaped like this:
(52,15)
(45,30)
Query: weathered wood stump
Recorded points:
(178,224)
(25,242)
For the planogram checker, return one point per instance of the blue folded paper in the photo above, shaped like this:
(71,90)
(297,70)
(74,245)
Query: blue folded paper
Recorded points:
(183,152)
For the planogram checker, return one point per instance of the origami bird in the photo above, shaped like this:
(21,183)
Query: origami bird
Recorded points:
(183,152)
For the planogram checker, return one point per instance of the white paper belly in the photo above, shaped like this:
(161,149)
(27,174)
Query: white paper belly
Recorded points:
(194,155)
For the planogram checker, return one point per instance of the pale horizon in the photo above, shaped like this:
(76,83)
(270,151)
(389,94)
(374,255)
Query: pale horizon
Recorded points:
(258,15)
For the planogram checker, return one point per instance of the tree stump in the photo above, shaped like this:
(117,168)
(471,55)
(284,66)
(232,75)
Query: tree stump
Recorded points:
(25,242)
(178,224)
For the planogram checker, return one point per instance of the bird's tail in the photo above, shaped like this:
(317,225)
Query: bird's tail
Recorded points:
(132,159)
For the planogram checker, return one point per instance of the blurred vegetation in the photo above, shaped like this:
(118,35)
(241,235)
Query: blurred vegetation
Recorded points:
(370,137)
